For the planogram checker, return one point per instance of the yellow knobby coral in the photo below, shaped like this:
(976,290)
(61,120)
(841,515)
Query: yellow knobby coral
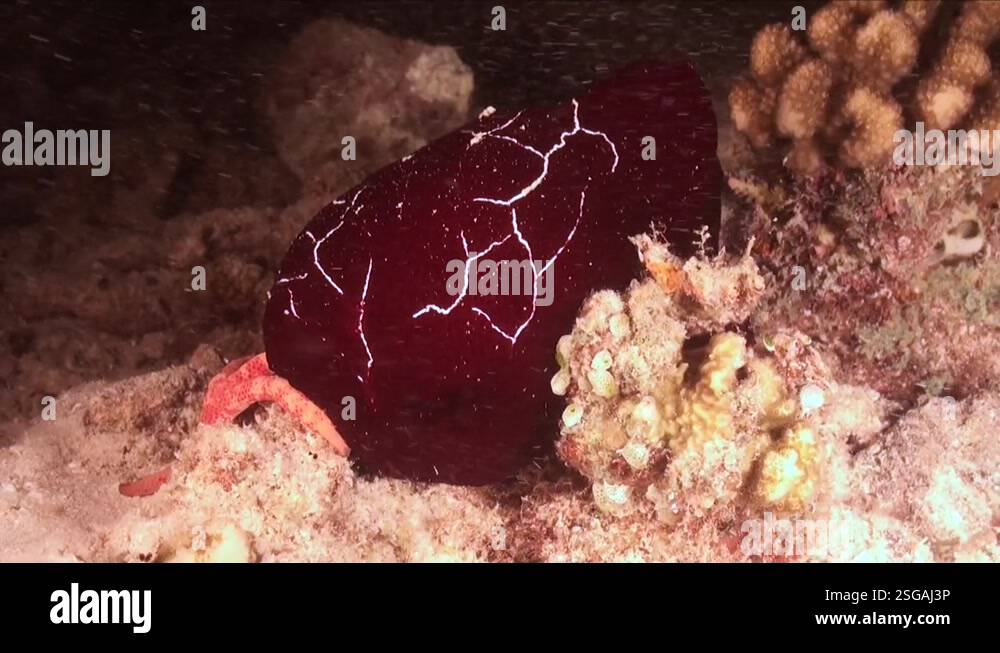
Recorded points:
(788,471)
(639,421)
(706,409)
(767,391)
(788,468)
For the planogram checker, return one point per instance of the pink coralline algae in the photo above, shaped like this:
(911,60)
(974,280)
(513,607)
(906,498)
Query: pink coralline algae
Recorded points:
(426,379)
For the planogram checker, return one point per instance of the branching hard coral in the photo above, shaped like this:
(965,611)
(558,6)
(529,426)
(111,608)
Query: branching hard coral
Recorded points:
(873,116)
(774,53)
(650,426)
(838,94)
(948,94)
(802,105)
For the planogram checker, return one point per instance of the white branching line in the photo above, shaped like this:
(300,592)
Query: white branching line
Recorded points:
(524,192)
(316,246)
(291,303)
(536,274)
(465,278)
(361,314)
(478,136)
(572,232)
(284,280)
(318,243)
(547,155)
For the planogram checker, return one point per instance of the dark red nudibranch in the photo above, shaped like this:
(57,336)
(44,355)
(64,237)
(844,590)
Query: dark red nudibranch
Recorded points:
(449,376)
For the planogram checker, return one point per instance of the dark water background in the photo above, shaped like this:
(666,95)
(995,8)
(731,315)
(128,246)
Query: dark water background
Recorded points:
(129,64)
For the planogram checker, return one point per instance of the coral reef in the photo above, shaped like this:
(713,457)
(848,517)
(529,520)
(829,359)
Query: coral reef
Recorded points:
(922,489)
(939,471)
(841,375)
(881,284)
(257,493)
(645,423)
(876,269)
(841,94)
(875,264)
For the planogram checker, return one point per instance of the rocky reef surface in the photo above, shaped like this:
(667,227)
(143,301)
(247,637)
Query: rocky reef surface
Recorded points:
(120,302)
(823,388)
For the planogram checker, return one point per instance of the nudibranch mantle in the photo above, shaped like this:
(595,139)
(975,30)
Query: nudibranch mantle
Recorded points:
(450,385)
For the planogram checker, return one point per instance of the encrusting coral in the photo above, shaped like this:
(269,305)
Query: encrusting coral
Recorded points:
(896,273)
(876,263)
(641,426)
(686,430)
(843,94)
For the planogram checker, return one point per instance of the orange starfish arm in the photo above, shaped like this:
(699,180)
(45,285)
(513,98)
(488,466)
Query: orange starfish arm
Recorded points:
(146,485)
(241,384)
(247,381)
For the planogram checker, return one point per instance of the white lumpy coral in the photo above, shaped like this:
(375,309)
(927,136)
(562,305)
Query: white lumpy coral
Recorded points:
(658,414)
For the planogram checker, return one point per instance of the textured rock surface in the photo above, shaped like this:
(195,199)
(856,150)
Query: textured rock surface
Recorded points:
(338,79)
(896,273)
(100,285)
